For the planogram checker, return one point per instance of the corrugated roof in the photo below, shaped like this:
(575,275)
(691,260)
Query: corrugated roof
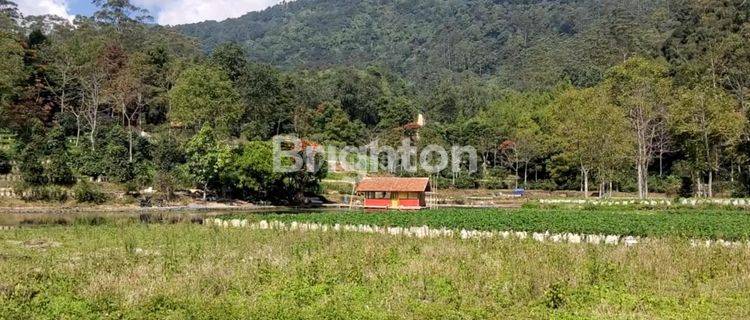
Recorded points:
(394,184)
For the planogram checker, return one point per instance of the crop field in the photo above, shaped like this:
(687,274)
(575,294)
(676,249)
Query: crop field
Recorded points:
(138,271)
(687,223)
(110,268)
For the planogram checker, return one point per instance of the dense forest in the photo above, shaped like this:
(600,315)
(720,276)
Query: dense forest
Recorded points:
(641,96)
(520,44)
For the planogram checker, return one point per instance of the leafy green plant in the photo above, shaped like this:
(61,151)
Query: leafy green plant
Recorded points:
(87,192)
(555,296)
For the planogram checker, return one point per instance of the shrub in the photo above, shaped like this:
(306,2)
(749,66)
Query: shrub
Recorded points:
(465,182)
(493,183)
(143,174)
(556,296)
(31,168)
(5,166)
(340,187)
(87,162)
(86,192)
(115,163)
(167,154)
(728,187)
(669,185)
(59,172)
(166,184)
(546,185)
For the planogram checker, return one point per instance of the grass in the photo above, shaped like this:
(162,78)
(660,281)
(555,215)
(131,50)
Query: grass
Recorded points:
(135,271)
(713,224)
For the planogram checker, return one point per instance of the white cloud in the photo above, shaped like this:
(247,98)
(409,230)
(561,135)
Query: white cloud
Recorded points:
(173,12)
(42,7)
(167,12)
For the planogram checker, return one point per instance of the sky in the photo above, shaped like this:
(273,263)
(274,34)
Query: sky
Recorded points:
(165,12)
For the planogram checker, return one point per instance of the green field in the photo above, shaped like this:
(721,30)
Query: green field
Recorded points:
(126,270)
(687,223)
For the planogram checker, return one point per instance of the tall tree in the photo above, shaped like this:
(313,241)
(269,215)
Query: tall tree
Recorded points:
(204,95)
(127,92)
(593,131)
(642,88)
(12,70)
(120,13)
(518,117)
(266,101)
(93,99)
(61,79)
(711,121)
(231,58)
(207,159)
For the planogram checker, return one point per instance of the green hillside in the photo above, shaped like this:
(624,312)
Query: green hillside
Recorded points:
(522,44)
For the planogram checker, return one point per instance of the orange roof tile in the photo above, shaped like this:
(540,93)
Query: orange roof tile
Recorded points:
(394,185)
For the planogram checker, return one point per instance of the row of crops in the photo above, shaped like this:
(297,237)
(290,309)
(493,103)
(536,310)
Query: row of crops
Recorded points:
(715,224)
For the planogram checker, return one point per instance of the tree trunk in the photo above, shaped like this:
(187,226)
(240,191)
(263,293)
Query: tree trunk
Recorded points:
(661,164)
(645,180)
(130,143)
(585,182)
(484,164)
(525,174)
(92,138)
(699,185)
(710,183)
(639,169)
(78,129)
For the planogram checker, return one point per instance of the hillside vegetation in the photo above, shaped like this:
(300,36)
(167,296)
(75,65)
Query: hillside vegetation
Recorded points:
(524,44)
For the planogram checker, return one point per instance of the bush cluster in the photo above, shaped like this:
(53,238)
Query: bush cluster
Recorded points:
(86,192)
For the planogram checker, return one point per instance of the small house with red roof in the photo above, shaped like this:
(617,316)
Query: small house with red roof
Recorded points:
(394,193)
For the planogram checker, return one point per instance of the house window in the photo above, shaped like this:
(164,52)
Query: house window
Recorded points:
(378,195)
(409,195)
(389,195)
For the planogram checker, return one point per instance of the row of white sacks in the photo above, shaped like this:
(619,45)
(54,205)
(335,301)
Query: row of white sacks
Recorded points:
(653,202)
(427,232)
(7,193)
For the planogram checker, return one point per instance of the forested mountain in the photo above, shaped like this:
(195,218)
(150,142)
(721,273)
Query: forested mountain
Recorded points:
(520,43)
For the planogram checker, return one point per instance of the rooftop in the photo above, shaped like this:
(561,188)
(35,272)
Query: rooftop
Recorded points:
(394,185)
